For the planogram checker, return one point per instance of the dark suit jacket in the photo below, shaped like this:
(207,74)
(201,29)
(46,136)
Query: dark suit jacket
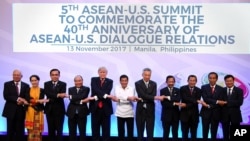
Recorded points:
(169,111)
(37,106)
(75,105)
(97,90)
(231,111)
(147,94)
(192,109)
(214,111)
(55,104)
(10,95)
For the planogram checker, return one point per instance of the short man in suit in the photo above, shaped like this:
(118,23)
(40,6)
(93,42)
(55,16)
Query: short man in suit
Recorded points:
(77,109)
(189,115)
(14,93)
(55,90)
(233,99)
(101,108)
(211,109)
(170,109)
(145,109)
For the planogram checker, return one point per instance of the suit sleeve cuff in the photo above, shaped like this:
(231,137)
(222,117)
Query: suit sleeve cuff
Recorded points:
(96,98)
(105,96)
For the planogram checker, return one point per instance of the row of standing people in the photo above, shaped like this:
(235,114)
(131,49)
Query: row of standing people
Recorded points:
(25,104)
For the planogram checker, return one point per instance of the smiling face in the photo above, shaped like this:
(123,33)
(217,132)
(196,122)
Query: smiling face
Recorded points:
(78,81)
(102,72)
(229,82)
(192,81)
(34,81)
(17,75)
(212,78)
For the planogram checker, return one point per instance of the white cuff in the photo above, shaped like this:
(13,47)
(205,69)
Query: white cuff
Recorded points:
(81,102)
(70,97)
(169,98)
(96,98)
(105,96)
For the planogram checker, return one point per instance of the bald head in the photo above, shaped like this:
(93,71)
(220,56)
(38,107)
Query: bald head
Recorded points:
(17,75)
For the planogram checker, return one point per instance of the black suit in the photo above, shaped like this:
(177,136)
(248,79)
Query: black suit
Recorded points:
(54,109)
(170,113)
(77,112)
(231,113)
(212,115)
(190,114)
(145,110)
(100,116)
(15,114)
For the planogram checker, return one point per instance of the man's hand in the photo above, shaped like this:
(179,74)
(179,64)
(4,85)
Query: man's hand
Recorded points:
(183,105)
(62,95)
(41,101)
(221,102)
(161,98)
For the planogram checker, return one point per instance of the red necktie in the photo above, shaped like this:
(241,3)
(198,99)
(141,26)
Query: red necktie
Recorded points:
(17,89)
(212,89)
(191,91)
(100,103)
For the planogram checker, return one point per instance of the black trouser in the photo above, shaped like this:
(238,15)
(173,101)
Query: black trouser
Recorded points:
(121,128)
(141,120)
(81,123)
(226,129)
(55,125)
(166,129)
(206,123)
(189,125)
(100,120)
(15,126)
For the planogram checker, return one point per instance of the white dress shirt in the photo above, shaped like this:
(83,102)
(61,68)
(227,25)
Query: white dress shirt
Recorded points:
(124,108)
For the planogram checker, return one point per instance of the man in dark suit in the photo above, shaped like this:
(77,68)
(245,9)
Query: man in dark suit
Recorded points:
(211,109)
(78,110)
(189,115)
(55,91)
(170,109)
(14,93)
(101,108)
(233,99)
(145,109)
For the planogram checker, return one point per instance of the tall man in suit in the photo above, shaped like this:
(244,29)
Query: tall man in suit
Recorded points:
(101,108)
(170,109)
(78,110)
(189,115)
(145,109)
(211,109)
(233,99)
(55,91)
(14,93)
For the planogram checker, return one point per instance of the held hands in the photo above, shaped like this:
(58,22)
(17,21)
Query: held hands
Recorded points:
(62,95)
(180,104)
(203,103)
(221,102)
(86,100)
(134,98)
(42,101)
(22,101)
